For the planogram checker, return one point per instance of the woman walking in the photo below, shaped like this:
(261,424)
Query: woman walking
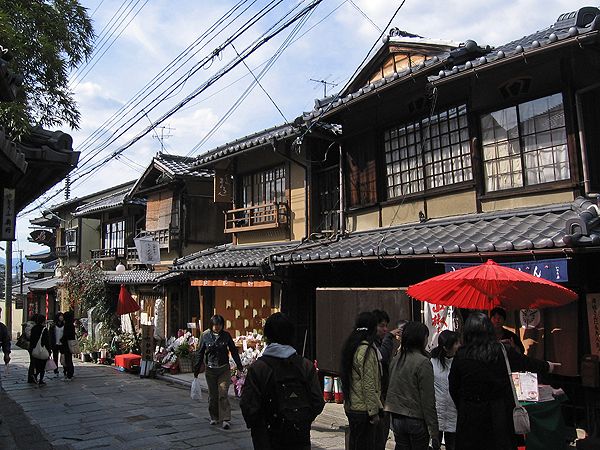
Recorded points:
(361,382)
(481,387)
(441,358)
(39,338)
(411,397)
(68,335)
(56,333)
(215,346)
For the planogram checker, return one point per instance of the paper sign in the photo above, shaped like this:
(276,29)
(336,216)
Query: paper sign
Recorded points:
(526,386)
(148,250)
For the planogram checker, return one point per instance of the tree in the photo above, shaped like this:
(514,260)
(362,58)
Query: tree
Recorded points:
(46,39)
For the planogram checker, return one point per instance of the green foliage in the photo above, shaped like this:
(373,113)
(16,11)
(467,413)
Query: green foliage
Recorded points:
(47,38)
(183,351)
(84,289)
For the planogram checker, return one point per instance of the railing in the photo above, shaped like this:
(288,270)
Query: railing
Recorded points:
(163,236)
(108,253)
(63,251)
(132,254)
(260,217)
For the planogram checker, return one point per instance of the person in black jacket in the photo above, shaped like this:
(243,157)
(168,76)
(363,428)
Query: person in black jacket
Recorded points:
(259,394)
(56,333)
(4,341)
(68,335)
(215,346)
(481,389)
(39,332)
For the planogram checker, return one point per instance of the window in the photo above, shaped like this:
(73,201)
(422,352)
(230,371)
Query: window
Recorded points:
(327,189)
(114,235)
(427,154)
(362,173)
(71,237)
(525,145)
(264,187)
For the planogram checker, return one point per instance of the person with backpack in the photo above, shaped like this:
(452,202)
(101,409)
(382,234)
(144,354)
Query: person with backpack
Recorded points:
(361,374)
(281,396)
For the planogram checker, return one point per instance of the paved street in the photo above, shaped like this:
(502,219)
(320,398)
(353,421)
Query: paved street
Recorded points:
(104,408)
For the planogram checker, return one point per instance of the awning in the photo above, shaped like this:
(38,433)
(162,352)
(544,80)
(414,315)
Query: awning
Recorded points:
(230,282)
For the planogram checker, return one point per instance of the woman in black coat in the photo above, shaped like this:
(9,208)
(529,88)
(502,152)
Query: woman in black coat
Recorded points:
(39,332)
(68,335)
(480,387)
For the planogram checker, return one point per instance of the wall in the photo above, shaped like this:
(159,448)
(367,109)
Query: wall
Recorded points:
(531,200)
(452,205)
(297,202)
(90,237)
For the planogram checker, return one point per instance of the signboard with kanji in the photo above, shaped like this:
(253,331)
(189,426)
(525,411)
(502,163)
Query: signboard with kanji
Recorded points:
(7,230)
(593,313)
(223,187)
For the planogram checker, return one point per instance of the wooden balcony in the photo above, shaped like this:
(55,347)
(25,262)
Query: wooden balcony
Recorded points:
(64,251)
(164,236)
(260,217)
(105,254)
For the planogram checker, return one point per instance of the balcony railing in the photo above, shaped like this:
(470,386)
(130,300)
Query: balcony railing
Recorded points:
(132,255)
(163,236)
(260,217)
(64,251)
(108,253)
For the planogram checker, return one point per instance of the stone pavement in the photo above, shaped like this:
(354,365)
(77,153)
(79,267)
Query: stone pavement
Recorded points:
(104,408)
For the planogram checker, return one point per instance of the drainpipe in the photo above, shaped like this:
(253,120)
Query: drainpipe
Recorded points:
(342,229)
(582,146)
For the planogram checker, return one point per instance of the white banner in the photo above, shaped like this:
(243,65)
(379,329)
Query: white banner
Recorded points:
(437,318)
(148,250)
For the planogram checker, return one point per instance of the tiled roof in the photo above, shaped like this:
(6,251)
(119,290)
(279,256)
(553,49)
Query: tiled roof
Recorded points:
(132,277)
(559,226)
(561,31)
(10,150)
(44,284)
(114,200)
(247,142)
(176,165)
(232,256)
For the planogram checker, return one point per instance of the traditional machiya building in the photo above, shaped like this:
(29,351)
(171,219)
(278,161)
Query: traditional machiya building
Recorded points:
(456,153)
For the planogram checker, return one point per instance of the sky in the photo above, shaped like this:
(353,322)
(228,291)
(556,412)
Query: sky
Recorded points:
(330,46)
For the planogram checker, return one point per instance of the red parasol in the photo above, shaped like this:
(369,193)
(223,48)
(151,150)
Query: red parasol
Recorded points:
(489,285)
(126,303)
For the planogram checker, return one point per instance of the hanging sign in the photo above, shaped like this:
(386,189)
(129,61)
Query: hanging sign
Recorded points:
(148,250)
(530,318)
(548,269)
(437,318)
(7,230)
(223,189)
(593,313)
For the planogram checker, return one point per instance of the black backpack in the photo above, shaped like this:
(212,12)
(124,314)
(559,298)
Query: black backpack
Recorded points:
(288,407)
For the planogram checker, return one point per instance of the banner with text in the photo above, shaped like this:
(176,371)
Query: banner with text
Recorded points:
(549,269)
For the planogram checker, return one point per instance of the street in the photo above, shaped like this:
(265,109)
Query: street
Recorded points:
(105,408)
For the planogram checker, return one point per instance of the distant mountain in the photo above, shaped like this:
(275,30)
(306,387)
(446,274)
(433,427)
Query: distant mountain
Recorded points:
(28,266)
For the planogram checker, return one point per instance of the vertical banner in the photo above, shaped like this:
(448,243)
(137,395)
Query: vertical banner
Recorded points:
(148,250)
(223,189)
(593,313)
(7,227)
(437,318)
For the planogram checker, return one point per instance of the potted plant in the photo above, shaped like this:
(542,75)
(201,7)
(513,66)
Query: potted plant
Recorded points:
(183,357)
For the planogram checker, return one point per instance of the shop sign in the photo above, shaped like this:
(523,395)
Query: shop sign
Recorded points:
(44,237)
(147,343)
(548,269)
(7,230)
(223,187)
(438,318)
(148,250)
(593,313)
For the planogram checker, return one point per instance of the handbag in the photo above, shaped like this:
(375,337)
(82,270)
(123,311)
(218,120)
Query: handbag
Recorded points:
(39,351)
(50,365)
(73,345)
(520,415)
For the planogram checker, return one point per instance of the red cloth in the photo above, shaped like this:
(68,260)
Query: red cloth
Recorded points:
(126,303)
(128,360)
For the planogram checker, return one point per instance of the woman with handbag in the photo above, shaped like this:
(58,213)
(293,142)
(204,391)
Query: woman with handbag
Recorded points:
(39,349)
(480,386)
(68,335)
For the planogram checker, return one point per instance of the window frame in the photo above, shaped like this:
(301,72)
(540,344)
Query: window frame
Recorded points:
(111,233)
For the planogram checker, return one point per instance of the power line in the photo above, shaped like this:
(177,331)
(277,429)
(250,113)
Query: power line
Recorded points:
(365,16)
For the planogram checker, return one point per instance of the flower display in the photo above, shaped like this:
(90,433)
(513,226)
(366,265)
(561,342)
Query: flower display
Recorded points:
(180,347)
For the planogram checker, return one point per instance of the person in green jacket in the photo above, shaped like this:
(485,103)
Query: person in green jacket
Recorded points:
(361,382)
(411,395)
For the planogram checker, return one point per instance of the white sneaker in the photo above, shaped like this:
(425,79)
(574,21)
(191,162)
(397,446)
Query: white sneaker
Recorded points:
(213,422)
(226,425)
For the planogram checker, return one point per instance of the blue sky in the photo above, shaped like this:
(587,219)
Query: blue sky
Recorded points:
(331,51)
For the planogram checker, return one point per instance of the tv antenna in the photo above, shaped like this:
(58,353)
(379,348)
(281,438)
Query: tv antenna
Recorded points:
(325,84)
(163,135)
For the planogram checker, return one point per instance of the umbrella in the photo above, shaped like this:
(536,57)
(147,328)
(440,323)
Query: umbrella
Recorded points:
(126,303)
(489,285)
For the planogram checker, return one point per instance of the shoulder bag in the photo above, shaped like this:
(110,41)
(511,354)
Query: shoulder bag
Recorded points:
(520,415)
(73,345)
(39,351)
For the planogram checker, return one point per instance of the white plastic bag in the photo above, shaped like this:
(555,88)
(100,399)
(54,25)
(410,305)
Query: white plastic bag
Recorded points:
(196,392)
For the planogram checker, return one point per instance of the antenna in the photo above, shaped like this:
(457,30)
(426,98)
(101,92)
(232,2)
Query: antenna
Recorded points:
(163,136)
(325,84)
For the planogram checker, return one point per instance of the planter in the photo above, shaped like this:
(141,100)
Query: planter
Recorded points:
(86,357)
(185,365)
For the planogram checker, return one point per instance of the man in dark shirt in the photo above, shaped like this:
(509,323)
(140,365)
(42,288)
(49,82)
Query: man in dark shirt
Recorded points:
(498,317)
(5,341)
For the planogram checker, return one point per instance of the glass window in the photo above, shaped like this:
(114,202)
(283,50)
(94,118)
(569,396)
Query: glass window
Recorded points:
(431,153)
(263,188)
(525,145)
(114,235)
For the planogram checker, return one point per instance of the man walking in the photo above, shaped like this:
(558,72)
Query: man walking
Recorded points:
(281,395)
(4,344)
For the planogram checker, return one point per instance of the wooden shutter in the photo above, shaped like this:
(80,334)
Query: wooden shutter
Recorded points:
(158,211)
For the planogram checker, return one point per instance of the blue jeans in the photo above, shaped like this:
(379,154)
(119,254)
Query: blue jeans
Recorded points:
(410,433)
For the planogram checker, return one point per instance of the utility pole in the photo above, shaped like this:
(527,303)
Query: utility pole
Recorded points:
(8,287)
(21,272)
